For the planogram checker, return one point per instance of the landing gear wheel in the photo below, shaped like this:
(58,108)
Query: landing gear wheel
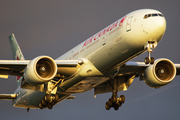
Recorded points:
(40,105)
(119,104)
(52,103)
(110,102)
(147,60)
(122,98)
(115,102)
(152,60)
(114,99)
(107,106)
(50,106)
(43,102)
(116,107)
(56,98)
(47,98)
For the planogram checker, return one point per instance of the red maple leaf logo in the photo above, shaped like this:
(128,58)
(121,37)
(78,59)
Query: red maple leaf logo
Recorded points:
(17,58)
(18,77)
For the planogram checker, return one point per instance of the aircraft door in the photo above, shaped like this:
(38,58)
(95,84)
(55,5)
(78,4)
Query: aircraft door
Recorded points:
(128,26)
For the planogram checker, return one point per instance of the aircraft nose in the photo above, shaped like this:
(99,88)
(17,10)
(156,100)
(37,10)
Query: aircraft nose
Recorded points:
(161,25)
(156,27)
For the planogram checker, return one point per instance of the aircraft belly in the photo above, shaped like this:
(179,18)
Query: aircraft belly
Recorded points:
(86,84)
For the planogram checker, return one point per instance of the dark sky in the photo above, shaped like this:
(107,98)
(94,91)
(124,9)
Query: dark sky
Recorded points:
(44,27)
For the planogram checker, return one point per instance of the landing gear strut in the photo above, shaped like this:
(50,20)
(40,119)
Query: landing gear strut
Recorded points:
(149,47)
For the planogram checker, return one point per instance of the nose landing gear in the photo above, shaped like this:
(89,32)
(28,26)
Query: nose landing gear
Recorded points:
(149,46)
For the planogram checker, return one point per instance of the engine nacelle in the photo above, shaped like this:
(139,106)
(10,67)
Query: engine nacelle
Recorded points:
(40,70)
(160,73)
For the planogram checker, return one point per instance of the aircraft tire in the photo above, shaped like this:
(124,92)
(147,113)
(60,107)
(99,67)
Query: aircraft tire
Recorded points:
(107,106)
(43,102)
(56,98)
(114,99)
(152,60)
(110,103)
(50,106)
(116,107)
(122,98)
(40,105)
(47,98)
(147,60)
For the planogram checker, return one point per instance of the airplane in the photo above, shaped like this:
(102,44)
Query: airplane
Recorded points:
(102,62)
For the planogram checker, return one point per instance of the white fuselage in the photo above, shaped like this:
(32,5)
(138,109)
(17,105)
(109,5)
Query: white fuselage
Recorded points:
(110,48)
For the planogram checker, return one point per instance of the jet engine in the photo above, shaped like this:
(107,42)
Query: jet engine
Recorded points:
(160,73)
(40,70)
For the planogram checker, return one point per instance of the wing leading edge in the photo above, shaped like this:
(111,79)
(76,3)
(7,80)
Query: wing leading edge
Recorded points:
(17,67)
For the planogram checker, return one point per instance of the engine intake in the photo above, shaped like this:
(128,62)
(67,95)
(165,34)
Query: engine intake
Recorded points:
(160,73)
(40,70)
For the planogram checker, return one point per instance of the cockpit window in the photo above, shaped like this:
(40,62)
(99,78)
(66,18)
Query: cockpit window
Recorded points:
(153,15)
(160,15)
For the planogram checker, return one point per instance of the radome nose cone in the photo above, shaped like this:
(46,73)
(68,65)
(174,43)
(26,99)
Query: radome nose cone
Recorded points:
(161,24)
(160,28)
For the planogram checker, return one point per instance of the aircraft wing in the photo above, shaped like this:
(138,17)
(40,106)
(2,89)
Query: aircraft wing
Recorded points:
(132,68)
(126,75)
(137,68)
(17,67)
(8,96)
(178,69)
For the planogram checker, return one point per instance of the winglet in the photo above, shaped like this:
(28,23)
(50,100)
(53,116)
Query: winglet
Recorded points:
(15,49)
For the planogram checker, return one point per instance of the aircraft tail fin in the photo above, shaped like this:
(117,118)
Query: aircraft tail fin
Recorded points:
(16,51)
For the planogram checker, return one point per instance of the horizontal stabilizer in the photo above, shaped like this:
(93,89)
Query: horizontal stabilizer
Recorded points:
(8,96)
(4,76)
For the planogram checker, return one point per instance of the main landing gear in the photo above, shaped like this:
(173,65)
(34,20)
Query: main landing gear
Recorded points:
(48,101)
(149,47)
(115,102)
(51,98)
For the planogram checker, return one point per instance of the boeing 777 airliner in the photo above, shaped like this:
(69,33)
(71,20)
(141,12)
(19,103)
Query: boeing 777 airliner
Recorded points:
(102,62)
